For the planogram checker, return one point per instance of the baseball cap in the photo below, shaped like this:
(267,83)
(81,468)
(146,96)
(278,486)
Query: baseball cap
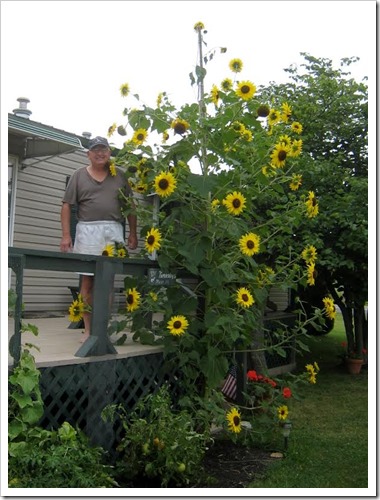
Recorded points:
(98,141)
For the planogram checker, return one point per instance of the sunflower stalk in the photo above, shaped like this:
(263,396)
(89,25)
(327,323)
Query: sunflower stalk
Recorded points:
(201,104)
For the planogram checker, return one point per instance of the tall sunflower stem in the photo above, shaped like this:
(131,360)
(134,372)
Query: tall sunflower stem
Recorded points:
(201,104)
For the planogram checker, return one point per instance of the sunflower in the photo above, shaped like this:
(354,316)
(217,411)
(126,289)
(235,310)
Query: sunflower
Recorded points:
(215,204)
(111,129)
(124,90)
(133,299)
(282,412)
(153,296)
(285,140)
(263,111)
(309,254)
(215,95)
(286,112)
(235,203)
(121,253)
(199,26)
(165,184)
(246,90)
(312,207)
(244,297)
(247,135)
(296,148)
(76,310)
(159,99)
(264,276)
(165,137)
(140,187)
(226,84)
(238,127)
(274,117)
(152,240)
(140,136)
(180,126)
(311,274)
(296,182)
(312,372)
(177,325)
(236,65)
(234,420)
(297,127)
(112,168)
(279,155)
(249,244)
(329,307)
(108,250)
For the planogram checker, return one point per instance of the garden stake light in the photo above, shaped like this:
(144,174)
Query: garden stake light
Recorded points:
(286,428)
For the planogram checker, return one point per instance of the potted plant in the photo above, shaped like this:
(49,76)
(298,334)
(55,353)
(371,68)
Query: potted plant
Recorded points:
(354,360)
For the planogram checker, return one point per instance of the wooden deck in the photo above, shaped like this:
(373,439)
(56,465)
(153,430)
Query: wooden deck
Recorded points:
(58,343)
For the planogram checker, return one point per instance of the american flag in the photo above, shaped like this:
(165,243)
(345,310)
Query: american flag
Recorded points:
(230,384)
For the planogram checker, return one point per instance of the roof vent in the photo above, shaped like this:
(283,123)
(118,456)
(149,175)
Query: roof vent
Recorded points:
(87,135)
(22,110)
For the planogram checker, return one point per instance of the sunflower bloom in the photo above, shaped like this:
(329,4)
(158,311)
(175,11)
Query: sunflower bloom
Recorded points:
(165,137)
(286,112)
(282,412)
(311,274)
(296,182)
(180,126)
(297,127)
(329,308)
(234,420)
(133,299)
(274,117)
(309,254)
(279,155)
(247,135)
(124,90)
(235,203)
(215,95)
(111,129)
(312,207)
(238,127)
(246,90)
(159,99)
(153,296)
(121,253)
(108,250)
(244,297)
(139,136)
(199,26)
(226,84)
(295,148)
(263,111)
(152,240)
(312,372)
(76,310)
(285,140)
(236,65)
(177,325)
(249,244)
(112,168)
(165,184)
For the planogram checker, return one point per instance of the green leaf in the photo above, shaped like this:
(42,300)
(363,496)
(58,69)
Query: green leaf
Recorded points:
(214,366)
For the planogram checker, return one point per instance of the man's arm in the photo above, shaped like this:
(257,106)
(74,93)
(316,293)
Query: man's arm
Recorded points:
(132,238)
(66,241)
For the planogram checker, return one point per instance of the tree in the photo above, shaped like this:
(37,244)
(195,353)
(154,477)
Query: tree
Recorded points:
(333,110)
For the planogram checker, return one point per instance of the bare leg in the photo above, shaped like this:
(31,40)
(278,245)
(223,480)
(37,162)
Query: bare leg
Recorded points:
(86,289)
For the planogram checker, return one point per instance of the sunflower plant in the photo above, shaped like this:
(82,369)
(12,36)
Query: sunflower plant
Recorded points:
(221,231)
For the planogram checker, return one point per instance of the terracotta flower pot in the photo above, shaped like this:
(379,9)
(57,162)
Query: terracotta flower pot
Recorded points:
(354,365)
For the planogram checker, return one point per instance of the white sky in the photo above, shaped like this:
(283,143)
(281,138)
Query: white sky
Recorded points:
(70,58)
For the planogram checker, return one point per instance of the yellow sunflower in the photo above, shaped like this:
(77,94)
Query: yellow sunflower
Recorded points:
(311,274)
(226,84)
(297,127)
(238,127)
(286,112)
(244,297)
(165,184)
(312,207)
(234,420)
(112,167)
(279,155)
(133,299)
(235,203)
(177,325)
(121,253)
(108,250)
(159,99)
(165,137)
(285,140)
(246,90)
(263,111)
(247,135)
(111,129)
(309,254)
(153,296)
(282,412)
(215,95)
(274,117)
(296,148)
(199,26)
(76,310)
(139,136)
(312,372)
(180,126)
(124,90)
(215,204)
(329,307)
(236,65)
(249,244)
(296,182)
(152,240)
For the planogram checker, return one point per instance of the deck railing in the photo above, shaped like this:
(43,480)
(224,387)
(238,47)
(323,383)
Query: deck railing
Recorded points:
(104,269)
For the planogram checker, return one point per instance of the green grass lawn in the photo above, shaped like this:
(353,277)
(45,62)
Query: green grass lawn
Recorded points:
(328,445)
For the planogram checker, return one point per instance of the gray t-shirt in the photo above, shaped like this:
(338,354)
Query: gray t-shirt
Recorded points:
(97,200)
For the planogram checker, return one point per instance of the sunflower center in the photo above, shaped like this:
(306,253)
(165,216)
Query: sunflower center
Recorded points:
(180,128)
(245,89)
(244,297)
(282,155)
(250,244)
(236,420)
(140,137)
(236,203)
(177,324)
(105,252)
(163,184)
(130,299)
(151,239)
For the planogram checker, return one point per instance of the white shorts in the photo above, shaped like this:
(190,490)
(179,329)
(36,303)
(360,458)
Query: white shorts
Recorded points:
(92,237)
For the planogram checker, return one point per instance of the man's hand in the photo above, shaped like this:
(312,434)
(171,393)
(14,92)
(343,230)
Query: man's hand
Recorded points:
(66,244)
(132,241)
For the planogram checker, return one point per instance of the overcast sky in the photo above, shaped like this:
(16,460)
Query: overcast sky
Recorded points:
(70,58)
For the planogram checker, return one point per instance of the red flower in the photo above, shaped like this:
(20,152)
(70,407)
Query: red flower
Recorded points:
(286,392)
(270,381)
(344,344)
(252,375)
